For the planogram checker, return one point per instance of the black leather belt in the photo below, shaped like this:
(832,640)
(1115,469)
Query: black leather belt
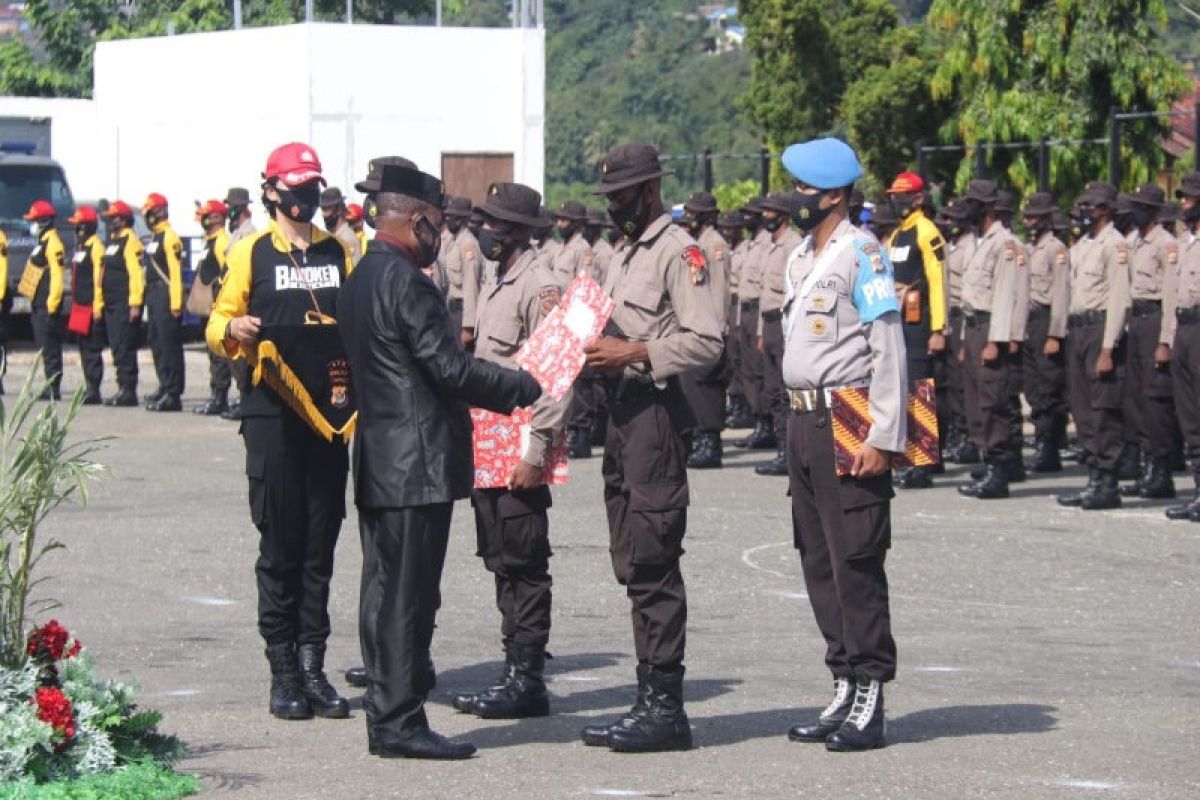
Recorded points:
(1092,317)
(977,318)
(1188,316)
(626,389)
(772,316)
(455,305)
(955,312)
(1039,310)
(1145,308)
(748,305)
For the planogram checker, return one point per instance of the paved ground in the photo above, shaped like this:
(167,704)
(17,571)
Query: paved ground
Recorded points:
(1043,652)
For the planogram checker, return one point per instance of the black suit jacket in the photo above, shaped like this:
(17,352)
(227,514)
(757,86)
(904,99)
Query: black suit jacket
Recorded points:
(413,382)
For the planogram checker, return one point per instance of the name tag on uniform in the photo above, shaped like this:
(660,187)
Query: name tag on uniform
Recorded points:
(314,277)
(112,249)
(152,248)
(79,257)
(900,253)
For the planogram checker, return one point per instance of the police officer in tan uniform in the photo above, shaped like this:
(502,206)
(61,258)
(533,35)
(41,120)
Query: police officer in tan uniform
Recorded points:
(843,329)
(1046,333)
(777,211)
(1185,350)
(1096,356)
(594,232)
(511,523)
(960,246)
(705,389)
(333,215)
(1149,395)
(731,226)
(463,265)
(574,257)
(749,292)
(664,324)
(989,300)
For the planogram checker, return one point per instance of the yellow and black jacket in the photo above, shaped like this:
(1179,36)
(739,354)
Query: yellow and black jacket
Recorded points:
(3,266)
(213,263)
(87,266)
(122,282)
(918,256)
(165,263)
(51,256)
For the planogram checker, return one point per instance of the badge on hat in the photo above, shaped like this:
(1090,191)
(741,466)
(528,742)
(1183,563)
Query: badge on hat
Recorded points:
(696,265)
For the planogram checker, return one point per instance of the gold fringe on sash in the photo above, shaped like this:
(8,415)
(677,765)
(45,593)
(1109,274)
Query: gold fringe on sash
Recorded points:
(285,383)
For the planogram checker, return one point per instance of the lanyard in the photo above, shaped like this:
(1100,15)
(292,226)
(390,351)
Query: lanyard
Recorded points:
(822,266)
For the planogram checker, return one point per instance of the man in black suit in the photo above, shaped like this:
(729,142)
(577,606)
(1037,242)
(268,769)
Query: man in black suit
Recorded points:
(412,452)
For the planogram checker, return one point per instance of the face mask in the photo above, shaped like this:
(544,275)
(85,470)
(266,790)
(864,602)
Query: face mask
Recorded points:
(772,224)
(495,246)
(430,241)
(35,229)
(369,211)
(1142,216)
(453,224)
(330,222)
(692,224)
(810,214)
(82,233)
(629,217)
(299,204)
(1086,219)
(1192,214)
(902,208)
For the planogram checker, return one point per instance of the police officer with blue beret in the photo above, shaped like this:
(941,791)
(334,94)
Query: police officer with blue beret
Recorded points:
(842,328)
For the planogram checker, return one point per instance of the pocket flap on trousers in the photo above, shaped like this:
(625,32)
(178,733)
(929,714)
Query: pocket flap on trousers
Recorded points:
(658,496)
(520,504)
(256,465)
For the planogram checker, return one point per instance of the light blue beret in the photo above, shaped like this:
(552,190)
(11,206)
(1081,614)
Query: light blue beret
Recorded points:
(823,163)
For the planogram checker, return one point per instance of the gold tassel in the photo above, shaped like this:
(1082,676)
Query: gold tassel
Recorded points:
(287,385)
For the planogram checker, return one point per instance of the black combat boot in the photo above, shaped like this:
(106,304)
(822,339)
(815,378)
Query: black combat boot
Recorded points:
(992,486)
(1190,509)
(1014,469)
(1129,466)
(1045,455)
(706,454)
(1158,483)
(213,406)
(762,438)
(865,727)
(665,725)
(777,465)
(1135,489)
(358,677)
(1104,495)
(579,444)
(125,398)
(287,696)
(914,478)
(598,735)
(92,397)
(234,412)
(739,415)
(524,694)
(465,701)
(1074,499)
(965,453)
(831,718)
(323,699)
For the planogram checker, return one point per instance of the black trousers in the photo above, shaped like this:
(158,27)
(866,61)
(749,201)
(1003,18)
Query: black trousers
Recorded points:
(166,339)
(705,393)
(404,550)
(843,529)
(751,359)
(455,307)
(1096,402)
(513,536)
(646,497)
(1149,391)
(586,399)
(1185,371)
(123,340)
(91,355)
(49,330)
(5,313)
(989,405)
(733,352)
(297,502)
(950,377)
(1045,379)
(775,399)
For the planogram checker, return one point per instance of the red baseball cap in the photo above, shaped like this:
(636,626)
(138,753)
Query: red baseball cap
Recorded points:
(354,212)
(118,208)
(293,164)
(154,200)
(211,207)
(41,209)
(906,182)
(83,214)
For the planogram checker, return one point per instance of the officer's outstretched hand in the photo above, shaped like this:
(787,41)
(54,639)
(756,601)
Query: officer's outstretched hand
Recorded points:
(1162,356)
(244,330)
(869,462)
(608,352)
(525,476)
(1052,347)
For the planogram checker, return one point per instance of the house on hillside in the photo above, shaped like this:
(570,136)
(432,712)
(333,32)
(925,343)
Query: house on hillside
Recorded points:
(723,32)
(1182,138)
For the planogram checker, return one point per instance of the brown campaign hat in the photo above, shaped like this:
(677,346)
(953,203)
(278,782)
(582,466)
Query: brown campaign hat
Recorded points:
(628,165)
(1169,214)
(955,209)
(780,201)
(514,202)
(1099,193)
(237,196)
(459,207)
(883,214)
(731,219)
(753,206)
(1149,194)
(702,203)
(375,167)
(331,197)
(982,191)
(1039,204)
(1006,201)
(572,210)
(597,217)
(1059,221)
(1190,187)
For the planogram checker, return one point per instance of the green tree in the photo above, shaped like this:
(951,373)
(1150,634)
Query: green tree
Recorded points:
(66,34)
(1019,71)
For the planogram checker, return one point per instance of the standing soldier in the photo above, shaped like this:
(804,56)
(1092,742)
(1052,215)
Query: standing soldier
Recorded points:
(843,329)
(749,291)
(731,227)
(705,389)
(512,526)
(43,285)
(212,216)
(777,210)
(333,216)
(574,256)
(297,478)
(1185,351)
(122,286)
(960,237)
(86,269)
(240,226)
(463,265)
(602,250)
(918,256)
(1006,209)
(354,218)
(164,304)
(883,221)
(1046,333)
(1096,357)
(664,324)
(1149,395)
(989,299)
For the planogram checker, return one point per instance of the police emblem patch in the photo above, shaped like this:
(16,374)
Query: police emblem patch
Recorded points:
(1172,256)
(548,298)
(1122,255)
(696,265)
(339,380)
(1061,258)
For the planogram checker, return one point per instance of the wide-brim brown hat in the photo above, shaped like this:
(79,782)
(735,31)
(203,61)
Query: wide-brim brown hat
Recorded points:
(516,203)
(753,206)
(597,217)
(1190,187)
(1099,193)
(1039,204)
(571,210)
(702,203)
(628,165)
(782,202)
(1149,194)
(731,219)
(458,207)
(883,214)
(237,196)
(332,196)
(982,191)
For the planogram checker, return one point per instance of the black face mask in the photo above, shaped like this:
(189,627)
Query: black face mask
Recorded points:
(453,224)
(430,241)
(495,246)
(564,232)
(693,224)
(1192,214)
(902,208)
(1142,216)
(234,213)
(84,232)
(152,218)
(299,204)
(330,221)
(772,224)
(369,211)
(1086,220)
(974,214)
(810,214)
(629,218)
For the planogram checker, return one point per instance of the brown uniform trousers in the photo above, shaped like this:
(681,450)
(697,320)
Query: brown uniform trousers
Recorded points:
(990,412)
(513,537)
(751,366)
(948,376)
(1149,391)
(1095,402)
(843,529)
(1045,376)
(1185,370)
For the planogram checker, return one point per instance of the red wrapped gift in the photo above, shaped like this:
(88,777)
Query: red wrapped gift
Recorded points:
(851,414)
(498,443)
(554,353)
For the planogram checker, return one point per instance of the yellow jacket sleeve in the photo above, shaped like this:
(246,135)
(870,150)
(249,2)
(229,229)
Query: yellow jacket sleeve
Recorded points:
(133,266)
(174,270)
(232,301)
(96,251)
(933,257)
(55,261)
(3,266)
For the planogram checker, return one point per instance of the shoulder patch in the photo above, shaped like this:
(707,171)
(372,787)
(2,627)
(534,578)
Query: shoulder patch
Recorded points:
(469,251)
(548,298)
(1061,258)
(867,247)
(1020,258)
(1010,252)
(1122,254)
(1172,255)
(696,264)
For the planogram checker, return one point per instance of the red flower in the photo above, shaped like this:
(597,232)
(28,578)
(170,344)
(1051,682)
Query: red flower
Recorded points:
(50,641)
(54,708)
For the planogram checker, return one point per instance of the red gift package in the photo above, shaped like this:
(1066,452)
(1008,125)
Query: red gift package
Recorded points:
(499,442)
(554,353)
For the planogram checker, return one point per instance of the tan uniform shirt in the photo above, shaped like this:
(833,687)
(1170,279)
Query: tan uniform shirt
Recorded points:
(1100,280)
(603,260)
(574,257)
(846,330)
(1050,280)
(736,263)
(660,286)
(1187,288)
(547,251)
(464,270)
(1154,273)
(349,240)
(241,232)
(716,253)
(508,313)
(774,260)
(750,280)
(960,252)
(990,281)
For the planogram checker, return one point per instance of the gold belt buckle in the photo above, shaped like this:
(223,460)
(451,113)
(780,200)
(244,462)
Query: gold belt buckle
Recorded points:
(804,400)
